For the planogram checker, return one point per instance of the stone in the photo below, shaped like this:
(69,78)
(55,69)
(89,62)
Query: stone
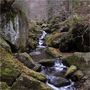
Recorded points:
(53,52)
(47,62)
(10,30)
(25,82)
(11,68)
(27,60)
(4,86)
(70,70)
(59,81)
(49,40)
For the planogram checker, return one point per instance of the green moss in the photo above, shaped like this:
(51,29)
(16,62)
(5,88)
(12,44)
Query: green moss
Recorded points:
(25,82)
(12,68)
(8,72)
(50,38)
(4,86)
(77,61)
(5,45)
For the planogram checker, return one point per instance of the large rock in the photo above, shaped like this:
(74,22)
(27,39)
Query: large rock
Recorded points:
(11,68)
(53,52)
(49,40)
(25,82)
(14,24)
(27,60)
(59,81)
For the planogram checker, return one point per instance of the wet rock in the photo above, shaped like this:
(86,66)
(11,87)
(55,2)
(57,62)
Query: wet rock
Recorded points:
(25,82)
(5,45)
(4,86)
(59,81)
(41,54)
(47,62)
(53,52)
(71,70)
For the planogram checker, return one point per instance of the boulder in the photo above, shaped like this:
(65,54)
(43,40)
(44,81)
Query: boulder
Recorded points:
(11,68)
(70,70)
(26,59)
(59,81)
(14,24)
(47,62)
(53,52)
(51,38)
(25,82)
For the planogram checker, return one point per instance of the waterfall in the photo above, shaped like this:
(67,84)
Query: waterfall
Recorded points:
(41,42)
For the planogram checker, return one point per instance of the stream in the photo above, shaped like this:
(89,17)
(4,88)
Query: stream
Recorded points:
(54,73)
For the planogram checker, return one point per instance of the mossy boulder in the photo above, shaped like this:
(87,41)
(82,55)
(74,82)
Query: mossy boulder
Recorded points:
(25,82)
(80,61)
(11,68)
(25,59)
(4,86)
(49,40)
(53,52)
(14,23)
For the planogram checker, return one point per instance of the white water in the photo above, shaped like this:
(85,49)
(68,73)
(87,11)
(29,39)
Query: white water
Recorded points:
(41,42)
(69,87)
(58,67)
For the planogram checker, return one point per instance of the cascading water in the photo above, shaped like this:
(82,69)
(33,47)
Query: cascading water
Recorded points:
(41,42)
(53,73)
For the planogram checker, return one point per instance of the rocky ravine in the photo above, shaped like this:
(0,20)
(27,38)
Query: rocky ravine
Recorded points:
(21,62)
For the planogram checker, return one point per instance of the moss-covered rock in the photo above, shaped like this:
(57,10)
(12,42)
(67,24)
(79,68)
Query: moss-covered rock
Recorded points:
(4,86)
(33,35)
(53,52)
(25,59)
(11,68)
(49,40)
(25,82)
(81,62)
(4,44)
